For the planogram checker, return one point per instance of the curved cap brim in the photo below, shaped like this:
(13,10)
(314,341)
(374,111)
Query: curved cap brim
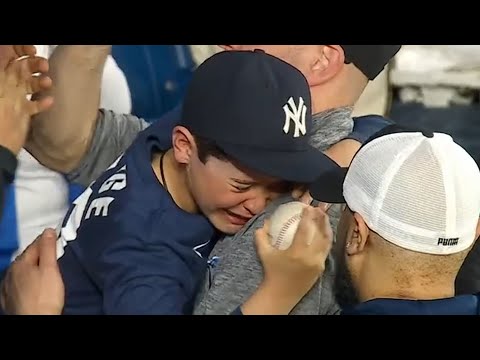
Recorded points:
(300,166)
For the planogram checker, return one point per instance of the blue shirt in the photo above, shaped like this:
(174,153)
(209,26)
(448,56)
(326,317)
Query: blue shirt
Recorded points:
(366,126)
(157,75)
(129,249)
(458,305)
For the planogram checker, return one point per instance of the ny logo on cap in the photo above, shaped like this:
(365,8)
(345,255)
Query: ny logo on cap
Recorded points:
(296,115)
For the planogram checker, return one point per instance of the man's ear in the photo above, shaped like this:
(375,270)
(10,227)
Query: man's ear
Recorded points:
(359,237)
(326,64)
(183,144)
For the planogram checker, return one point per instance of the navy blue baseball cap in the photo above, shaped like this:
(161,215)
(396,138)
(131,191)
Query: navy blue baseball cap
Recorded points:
(257,109)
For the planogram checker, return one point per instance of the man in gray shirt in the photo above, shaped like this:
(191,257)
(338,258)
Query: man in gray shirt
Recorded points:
(339,75)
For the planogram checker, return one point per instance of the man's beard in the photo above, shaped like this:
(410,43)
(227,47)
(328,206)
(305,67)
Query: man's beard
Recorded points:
(345,293)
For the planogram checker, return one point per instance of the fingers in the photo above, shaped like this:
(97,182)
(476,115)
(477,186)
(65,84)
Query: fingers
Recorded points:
(38,83)
(9,53)
(48,248)
(36,64)
(266,226)
(306,198)
(25,67)
(18,77)
(38,106)
(262,238)
(305,230)
(324,238)
(324,206)
(297,192)
(313,231)
(25,50)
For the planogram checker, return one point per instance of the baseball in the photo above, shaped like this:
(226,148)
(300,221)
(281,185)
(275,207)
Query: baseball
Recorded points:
(284,223)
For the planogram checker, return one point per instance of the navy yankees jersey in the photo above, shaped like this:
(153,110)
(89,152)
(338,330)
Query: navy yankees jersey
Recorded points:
(126,248)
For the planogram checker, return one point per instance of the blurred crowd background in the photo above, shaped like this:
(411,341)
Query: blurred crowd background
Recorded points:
(434,86)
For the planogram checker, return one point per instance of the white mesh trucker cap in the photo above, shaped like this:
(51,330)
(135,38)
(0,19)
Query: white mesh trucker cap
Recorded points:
(418,191)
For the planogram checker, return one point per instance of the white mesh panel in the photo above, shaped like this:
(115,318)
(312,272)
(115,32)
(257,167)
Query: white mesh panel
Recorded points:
(399,185)
(468,196)
(363,186)
(416,193)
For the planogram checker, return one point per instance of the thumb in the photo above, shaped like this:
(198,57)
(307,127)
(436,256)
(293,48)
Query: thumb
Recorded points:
(48,248)
(262,238)
(31,254)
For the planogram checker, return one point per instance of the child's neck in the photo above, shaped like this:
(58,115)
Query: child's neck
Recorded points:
(174,180)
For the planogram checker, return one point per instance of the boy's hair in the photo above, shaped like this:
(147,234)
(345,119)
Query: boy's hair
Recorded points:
(207,147)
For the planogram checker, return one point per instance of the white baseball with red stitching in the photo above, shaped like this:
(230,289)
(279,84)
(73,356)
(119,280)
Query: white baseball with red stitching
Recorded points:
(284,223)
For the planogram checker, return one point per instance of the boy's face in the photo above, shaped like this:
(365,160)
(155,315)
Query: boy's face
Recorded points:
(230,195)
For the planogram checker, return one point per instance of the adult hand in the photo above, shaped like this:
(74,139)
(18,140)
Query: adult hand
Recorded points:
(33,284)
(16,82)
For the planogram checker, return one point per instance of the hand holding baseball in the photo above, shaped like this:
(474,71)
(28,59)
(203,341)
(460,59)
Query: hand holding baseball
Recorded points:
(293,271)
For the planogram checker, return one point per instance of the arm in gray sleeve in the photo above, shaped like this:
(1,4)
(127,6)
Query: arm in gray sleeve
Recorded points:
(237,274)
(114,133)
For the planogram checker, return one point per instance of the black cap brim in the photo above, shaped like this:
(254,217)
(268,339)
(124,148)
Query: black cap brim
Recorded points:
(328,187)
(300,166)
